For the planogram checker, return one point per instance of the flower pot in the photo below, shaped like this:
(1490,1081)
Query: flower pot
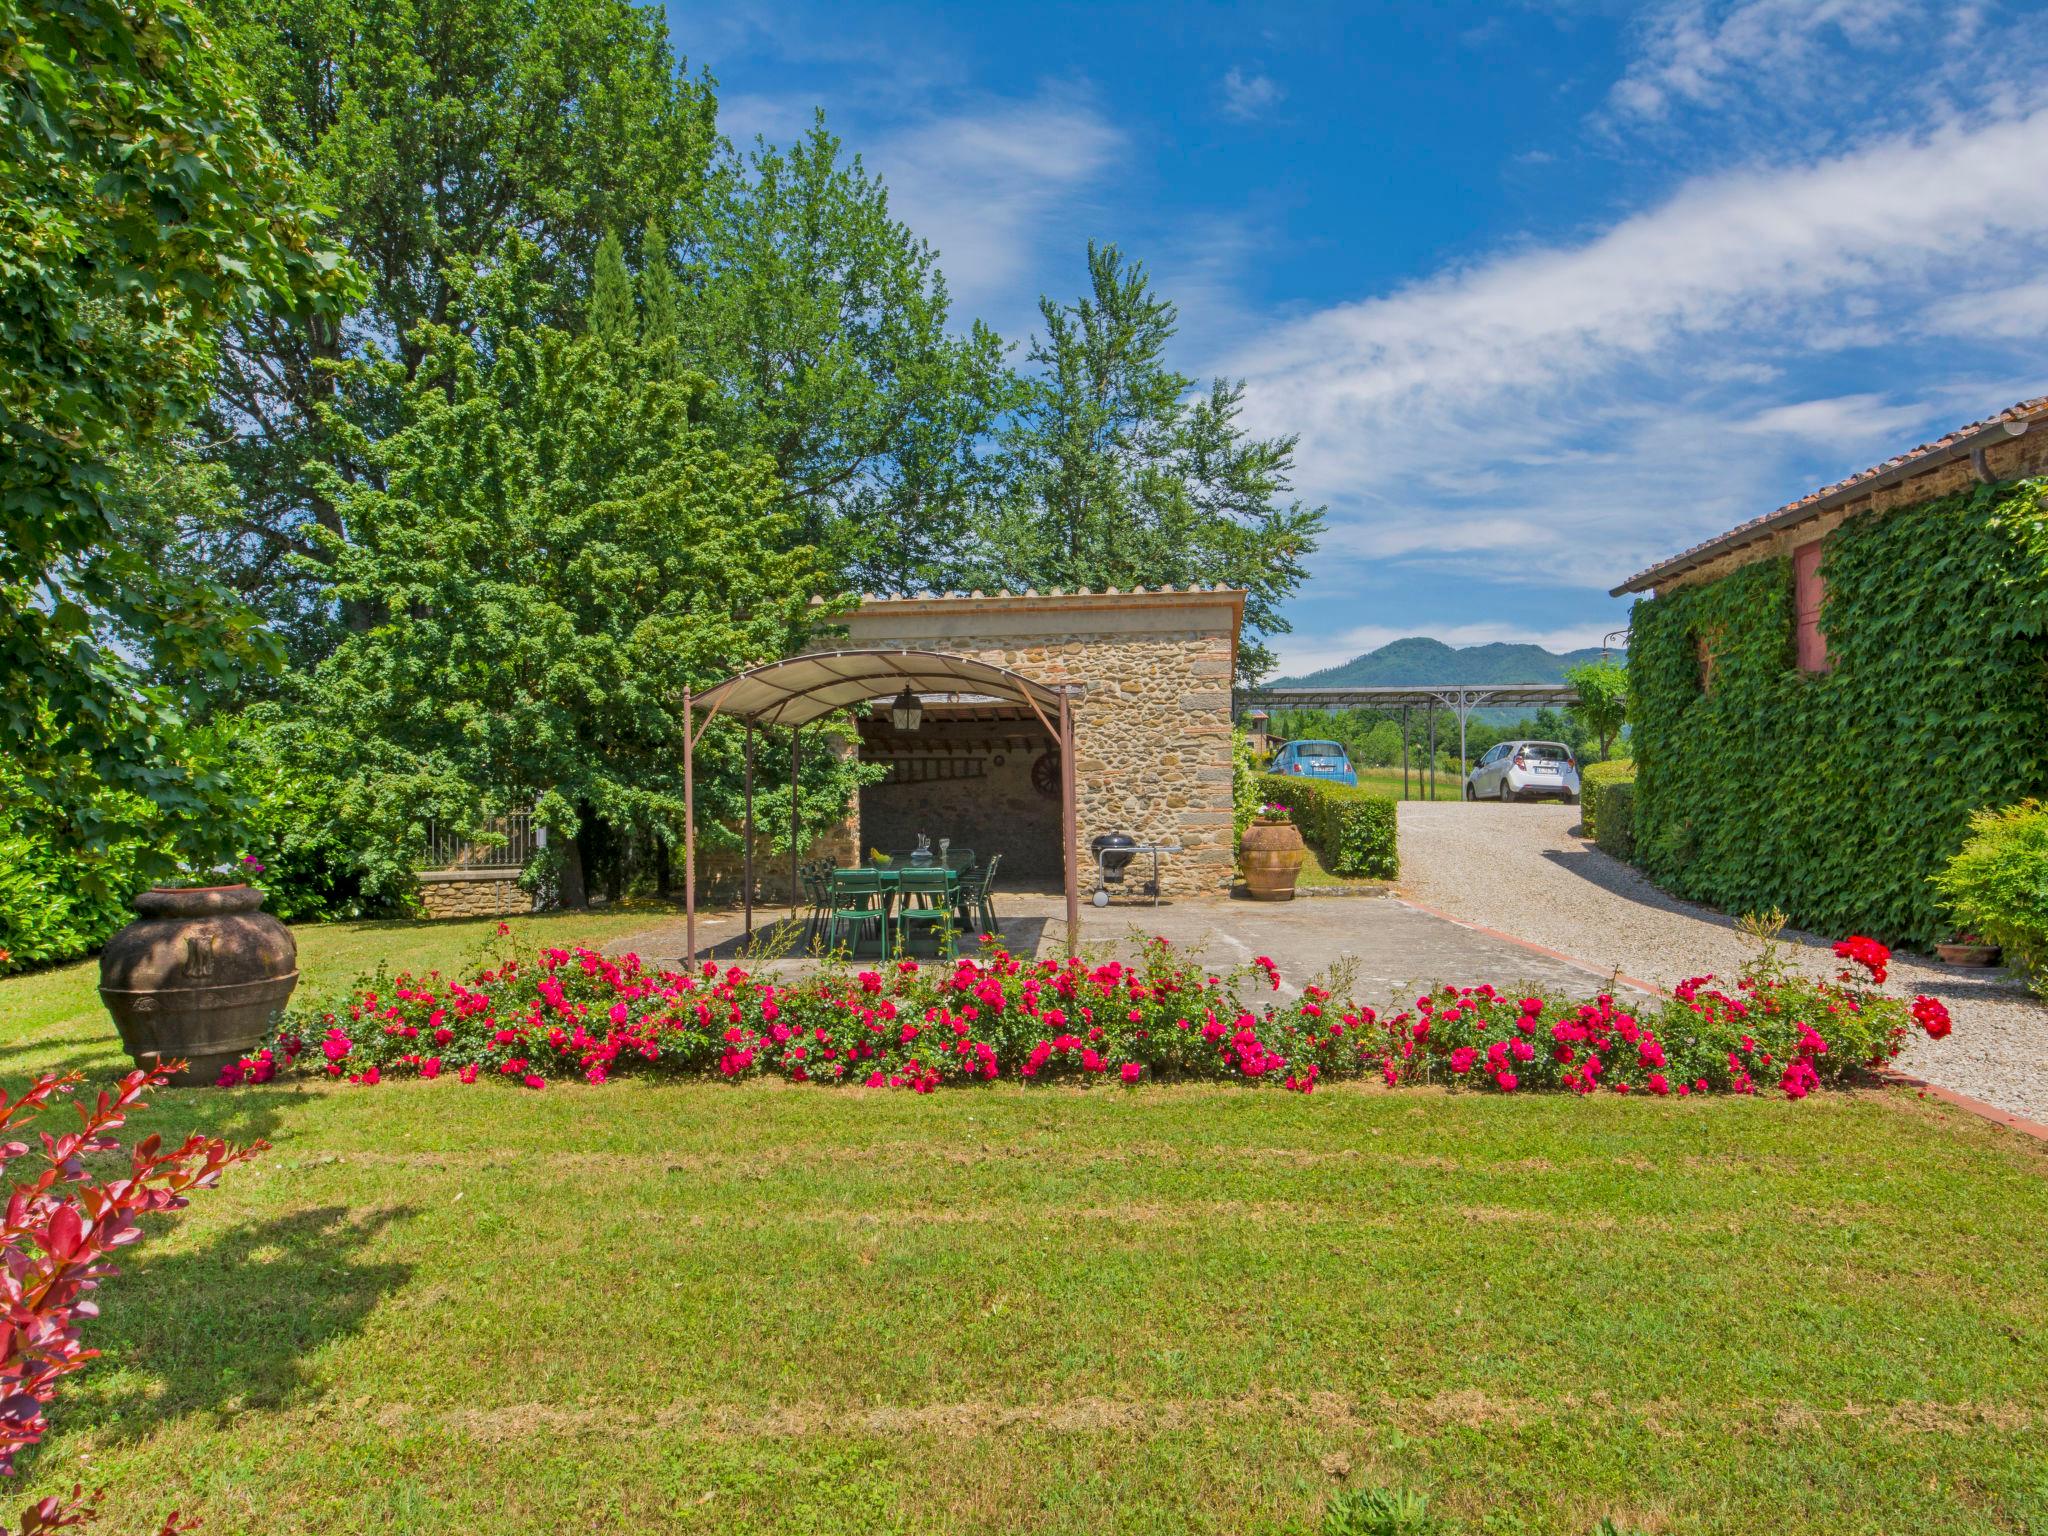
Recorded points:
(1967,954)
(199,975)
(1271,854)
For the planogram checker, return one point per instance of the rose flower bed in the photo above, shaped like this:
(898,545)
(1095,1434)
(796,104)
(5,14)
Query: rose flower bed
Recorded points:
(1161,1015)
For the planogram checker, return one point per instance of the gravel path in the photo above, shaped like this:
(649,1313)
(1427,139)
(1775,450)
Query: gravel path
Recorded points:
(1519,869)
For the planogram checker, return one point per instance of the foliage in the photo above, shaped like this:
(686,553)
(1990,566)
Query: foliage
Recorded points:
(1598,782)
(1244,783)
(1996,886)
(142,206)
(1158,1014)
(1353,831)
(1836,796)
(63,1224)
(1603,699)
(437,132)
(1616,830)
(825,321)
(1379,1512)
(554,546)
(1118,472)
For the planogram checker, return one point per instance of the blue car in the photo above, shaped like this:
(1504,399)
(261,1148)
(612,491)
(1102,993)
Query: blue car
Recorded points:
(1316,760)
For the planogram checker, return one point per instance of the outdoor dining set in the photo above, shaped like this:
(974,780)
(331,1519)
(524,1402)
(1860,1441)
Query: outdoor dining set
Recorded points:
(877,910)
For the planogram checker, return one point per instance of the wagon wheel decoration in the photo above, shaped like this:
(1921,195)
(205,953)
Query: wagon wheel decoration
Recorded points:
(1045,773)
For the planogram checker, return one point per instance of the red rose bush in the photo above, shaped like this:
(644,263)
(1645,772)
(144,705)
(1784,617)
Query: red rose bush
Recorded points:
(921,1025)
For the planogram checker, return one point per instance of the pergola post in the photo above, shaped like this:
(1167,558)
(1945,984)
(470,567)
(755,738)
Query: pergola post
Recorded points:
(1069,825)
(1432,754)
(1404,751)
(689,831)
(796,741)
(747,847)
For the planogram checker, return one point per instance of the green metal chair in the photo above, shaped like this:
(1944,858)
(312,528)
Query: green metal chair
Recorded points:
(815,880)
(975,902)
(924,904)
(855,901)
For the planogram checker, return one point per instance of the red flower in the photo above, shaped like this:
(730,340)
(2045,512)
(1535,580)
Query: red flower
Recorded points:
(1930,1014)
(1866,952)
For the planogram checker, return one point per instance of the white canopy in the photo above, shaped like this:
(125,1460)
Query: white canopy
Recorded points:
(800,689)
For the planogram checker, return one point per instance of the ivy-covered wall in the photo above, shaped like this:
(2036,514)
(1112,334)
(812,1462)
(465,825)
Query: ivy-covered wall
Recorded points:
(1833,796)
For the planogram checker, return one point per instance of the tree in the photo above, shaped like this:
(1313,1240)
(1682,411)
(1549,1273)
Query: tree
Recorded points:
(142,207)
(1118,472)
(824,320)
(1603,699)
(438,130)
(554,544)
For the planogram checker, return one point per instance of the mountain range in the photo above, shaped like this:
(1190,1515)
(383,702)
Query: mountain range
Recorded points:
(1417,661)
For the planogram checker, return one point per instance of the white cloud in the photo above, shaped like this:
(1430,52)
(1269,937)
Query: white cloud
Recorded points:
(1572,412)
(2019,312)
(1701,52)
(1304,653)
(1249,96)
(995,185)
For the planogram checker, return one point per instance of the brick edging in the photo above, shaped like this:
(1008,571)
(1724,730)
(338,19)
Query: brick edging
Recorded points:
(1949,1096)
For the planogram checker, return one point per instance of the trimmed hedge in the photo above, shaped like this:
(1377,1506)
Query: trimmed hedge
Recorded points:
(1836,796)
(1595,779)
(1353,831)
(1617,834)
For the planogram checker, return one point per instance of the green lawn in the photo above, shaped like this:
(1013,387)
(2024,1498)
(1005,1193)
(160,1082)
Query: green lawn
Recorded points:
(1388,782)
(693,1308)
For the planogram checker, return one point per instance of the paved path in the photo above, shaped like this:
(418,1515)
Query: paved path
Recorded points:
(1518,868)
(1391,949)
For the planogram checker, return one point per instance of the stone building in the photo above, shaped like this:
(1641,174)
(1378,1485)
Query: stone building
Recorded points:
(1152,729)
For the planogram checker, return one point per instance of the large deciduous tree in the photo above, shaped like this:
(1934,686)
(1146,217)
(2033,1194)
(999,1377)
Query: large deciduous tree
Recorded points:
(438,130)
(825,320)
(1119,471)
(555,542)
(1603,699)
(142,207)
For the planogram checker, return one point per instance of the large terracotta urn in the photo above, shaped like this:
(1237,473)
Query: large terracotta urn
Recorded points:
(198,976)
(1271,854)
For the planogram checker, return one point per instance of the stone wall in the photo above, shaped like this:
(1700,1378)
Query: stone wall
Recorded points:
(1152,732)
(473,893)
(997,811)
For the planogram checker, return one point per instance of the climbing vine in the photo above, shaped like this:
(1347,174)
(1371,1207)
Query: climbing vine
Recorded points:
(1835,796)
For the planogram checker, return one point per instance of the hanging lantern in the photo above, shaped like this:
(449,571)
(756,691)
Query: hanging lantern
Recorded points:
(907,713)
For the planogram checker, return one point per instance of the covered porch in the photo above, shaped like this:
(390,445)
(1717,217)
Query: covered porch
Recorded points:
(973,751)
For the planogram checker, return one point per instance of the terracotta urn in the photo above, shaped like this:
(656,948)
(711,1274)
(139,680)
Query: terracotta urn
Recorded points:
(199,976)
(1967,952)
(1271,853)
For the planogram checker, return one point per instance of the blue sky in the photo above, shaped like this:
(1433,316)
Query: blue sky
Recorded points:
(1549,290)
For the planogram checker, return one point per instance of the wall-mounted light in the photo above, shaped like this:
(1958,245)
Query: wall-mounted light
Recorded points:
(907,713)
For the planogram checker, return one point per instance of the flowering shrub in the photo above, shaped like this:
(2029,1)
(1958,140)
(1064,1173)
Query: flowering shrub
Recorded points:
(59,1229)
(919,1026)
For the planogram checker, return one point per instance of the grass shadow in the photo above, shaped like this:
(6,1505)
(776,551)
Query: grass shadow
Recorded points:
(228,1328)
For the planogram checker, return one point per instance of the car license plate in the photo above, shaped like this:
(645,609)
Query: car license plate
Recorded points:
(1546,767)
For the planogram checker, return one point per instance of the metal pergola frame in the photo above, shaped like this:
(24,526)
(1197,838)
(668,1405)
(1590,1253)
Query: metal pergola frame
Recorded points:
(799,690)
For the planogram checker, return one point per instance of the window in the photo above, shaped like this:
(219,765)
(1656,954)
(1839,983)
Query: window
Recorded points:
(1810,645)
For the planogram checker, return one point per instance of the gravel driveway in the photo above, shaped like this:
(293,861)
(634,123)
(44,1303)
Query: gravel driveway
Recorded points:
(1519,869)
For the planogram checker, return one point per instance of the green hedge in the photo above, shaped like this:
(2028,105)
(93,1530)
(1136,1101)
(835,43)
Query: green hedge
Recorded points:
(1595,779)
(1351,830)
(1617,834)
(1836,796)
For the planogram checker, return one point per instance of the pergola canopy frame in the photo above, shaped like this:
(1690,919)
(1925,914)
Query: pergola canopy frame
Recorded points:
(801,690)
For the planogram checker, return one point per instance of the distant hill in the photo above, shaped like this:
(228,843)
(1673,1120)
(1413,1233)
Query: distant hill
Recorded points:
(1417,661)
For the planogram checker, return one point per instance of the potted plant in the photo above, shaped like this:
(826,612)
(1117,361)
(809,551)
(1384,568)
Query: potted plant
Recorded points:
(1967,949)
(200,973)
(1272,853)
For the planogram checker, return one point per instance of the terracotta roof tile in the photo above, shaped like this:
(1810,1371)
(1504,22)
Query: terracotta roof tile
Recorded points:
(1815,501)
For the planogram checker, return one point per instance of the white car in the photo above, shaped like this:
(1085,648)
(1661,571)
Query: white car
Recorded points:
(1525,770)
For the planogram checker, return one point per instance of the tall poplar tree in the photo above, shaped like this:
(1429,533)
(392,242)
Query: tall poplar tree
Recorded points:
(1119,471)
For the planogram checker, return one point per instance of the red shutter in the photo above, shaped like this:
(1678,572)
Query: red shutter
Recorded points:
(1808,592)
